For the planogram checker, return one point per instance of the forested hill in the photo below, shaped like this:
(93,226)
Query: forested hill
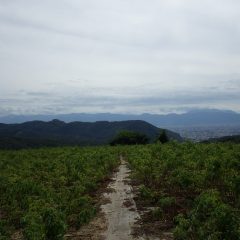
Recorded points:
(55,133)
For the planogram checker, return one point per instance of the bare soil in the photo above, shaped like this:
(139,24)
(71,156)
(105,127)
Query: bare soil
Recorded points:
(121,213)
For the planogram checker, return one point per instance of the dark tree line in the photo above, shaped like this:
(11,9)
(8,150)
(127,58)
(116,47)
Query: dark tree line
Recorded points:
(136,138)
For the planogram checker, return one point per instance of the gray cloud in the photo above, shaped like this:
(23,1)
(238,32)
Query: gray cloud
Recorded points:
(121,56)
(34,102)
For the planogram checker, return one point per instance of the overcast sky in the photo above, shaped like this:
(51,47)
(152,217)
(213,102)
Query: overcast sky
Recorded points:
(121,56)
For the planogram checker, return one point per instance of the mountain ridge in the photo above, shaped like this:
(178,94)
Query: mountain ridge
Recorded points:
(202,117)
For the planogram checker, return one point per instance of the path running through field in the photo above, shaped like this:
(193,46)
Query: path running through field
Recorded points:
(121,213)
(118,214)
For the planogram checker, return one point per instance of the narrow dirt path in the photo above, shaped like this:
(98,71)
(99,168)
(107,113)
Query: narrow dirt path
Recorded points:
(121,213)
(118,216)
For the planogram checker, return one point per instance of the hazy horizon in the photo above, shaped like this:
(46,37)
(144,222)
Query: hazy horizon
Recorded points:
(135,57)
(193,110)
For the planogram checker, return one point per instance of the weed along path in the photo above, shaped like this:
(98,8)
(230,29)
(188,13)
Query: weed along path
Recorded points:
(121,213)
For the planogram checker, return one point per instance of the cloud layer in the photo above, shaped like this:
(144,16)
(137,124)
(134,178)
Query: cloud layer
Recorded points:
(119,56)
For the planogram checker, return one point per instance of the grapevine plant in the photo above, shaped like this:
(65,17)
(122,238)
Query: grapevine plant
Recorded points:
(193,188)
(46,191)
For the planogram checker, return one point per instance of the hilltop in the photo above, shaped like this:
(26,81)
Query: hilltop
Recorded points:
(56,132)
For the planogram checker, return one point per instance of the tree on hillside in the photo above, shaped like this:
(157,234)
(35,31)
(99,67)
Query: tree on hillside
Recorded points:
(163,138)
(129,138)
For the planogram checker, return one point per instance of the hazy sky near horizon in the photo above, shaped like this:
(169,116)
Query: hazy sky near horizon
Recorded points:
(122,56)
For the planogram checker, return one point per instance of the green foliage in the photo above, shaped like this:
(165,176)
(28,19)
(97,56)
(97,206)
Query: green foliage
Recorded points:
(37,134)
(46,223)
(54,224)
(181,230)
(129,138)
(85,216)
(45,191)
(166,202)
(157,214)
(33,226)
(146,193)
(191,187)
(3,230)
(210,218)
(162,138)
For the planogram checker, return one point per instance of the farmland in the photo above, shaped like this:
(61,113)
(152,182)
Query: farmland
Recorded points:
(190,189)
(45,191)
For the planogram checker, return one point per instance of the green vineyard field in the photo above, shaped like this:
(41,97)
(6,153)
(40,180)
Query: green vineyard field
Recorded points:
(45,191)
(191,189)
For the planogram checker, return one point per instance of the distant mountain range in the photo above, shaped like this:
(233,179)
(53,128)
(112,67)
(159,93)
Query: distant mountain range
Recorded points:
(59,133)
(205,117)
